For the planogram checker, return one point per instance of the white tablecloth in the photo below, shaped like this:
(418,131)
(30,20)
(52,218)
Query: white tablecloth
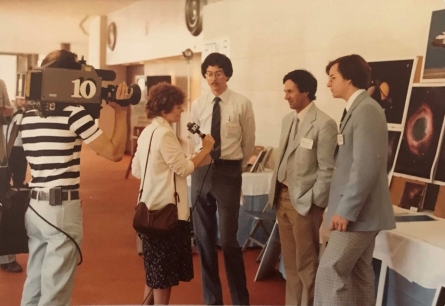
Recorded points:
(415,250)
(254,184)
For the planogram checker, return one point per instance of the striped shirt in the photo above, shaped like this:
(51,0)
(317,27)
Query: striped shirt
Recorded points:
(52,146)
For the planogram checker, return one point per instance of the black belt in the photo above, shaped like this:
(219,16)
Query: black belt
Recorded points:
(67,195)
(227,162)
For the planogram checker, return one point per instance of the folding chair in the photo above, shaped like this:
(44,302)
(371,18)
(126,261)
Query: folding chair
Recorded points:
(262,218)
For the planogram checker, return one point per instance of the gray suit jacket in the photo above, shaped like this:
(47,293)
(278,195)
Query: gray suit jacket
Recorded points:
(359,190)
(310,172)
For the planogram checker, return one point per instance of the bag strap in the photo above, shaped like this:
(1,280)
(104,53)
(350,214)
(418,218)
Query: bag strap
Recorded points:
(176,195)
(146,165)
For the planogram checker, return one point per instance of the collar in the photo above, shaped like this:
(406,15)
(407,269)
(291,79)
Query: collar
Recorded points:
(160,121)
(301,115)
(353,97)
(224,96)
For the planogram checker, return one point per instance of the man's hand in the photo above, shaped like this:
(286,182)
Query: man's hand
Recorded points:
(338,223)
(6,111)
(121,94)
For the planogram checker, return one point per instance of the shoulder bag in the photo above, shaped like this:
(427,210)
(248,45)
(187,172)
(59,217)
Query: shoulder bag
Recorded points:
(155,221)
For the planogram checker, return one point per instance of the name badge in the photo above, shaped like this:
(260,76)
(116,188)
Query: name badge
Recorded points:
(306,143)
(340,139)
(232,128)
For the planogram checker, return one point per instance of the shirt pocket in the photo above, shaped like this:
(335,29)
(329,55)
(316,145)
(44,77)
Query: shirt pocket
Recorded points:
(232,129)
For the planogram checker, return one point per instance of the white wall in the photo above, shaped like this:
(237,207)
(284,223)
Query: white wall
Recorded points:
(271,38)
(178,68)
(25,31)
(149,30)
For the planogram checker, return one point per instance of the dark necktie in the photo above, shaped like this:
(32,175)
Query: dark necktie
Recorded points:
(343,116)
(216,128)
(341,122)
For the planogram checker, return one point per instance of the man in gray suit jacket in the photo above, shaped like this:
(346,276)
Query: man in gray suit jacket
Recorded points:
(300,184)
(359,201)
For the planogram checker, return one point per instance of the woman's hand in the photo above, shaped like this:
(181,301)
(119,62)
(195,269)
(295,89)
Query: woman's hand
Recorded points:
(207,143)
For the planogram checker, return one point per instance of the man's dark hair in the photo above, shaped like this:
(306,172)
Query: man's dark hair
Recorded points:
(162,97)
(61,59)
(220,60)
(353,67)
(304,80)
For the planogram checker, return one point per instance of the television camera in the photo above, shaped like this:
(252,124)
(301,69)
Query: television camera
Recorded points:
(49,90)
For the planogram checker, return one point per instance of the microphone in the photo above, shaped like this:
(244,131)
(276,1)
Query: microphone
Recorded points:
(194,129)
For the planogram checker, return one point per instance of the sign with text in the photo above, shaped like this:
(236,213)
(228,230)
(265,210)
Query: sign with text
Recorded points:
(220,45)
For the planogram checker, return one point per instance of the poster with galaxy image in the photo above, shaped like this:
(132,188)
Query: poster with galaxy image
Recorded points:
(423,129)
(390,85)
(434,64)
(413,196)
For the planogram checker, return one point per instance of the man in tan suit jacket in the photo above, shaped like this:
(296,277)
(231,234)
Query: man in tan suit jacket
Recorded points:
(300,184)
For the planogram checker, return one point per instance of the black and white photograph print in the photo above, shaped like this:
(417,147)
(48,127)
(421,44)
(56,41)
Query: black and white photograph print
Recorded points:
(390,82)
(434,65)
(423,128)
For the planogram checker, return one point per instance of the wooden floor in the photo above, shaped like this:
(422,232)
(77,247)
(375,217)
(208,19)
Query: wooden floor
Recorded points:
(112,272)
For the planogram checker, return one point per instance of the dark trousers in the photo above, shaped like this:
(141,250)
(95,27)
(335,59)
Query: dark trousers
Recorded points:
(17,166)
(221,192)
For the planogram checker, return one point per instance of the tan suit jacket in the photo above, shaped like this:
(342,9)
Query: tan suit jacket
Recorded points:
(310,167)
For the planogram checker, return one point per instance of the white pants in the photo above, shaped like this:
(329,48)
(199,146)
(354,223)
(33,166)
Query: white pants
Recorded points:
(53,257)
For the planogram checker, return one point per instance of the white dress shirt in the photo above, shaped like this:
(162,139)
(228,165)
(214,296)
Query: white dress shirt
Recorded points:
(237,124)
(301,116)
(166,159)
(352,98)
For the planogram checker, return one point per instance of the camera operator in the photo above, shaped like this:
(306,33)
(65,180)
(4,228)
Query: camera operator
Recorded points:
(52,146)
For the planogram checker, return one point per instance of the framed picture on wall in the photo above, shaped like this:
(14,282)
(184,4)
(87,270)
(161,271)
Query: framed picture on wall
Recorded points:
(413,196)
(434,63)
(390,87)
(422,132)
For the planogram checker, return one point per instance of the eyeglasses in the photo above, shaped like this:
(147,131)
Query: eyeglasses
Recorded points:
(216,75)
(332,77)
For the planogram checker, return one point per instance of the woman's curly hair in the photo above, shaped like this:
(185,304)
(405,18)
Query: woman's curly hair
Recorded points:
(162,97)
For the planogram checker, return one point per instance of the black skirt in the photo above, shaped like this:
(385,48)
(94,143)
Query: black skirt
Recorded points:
(168,258)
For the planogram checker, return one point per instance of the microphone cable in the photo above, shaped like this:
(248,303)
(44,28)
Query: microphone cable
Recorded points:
(148,294)
(60,230)
(198,193)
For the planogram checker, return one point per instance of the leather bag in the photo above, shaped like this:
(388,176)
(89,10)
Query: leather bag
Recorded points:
(155,221)
(13,235)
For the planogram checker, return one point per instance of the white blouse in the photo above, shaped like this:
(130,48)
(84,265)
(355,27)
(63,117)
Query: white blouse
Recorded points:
(166,159)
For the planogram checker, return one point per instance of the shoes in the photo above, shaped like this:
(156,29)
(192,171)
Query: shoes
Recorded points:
(13,267)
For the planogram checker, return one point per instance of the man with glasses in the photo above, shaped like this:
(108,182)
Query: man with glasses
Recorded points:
(228,117)
(359,202)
